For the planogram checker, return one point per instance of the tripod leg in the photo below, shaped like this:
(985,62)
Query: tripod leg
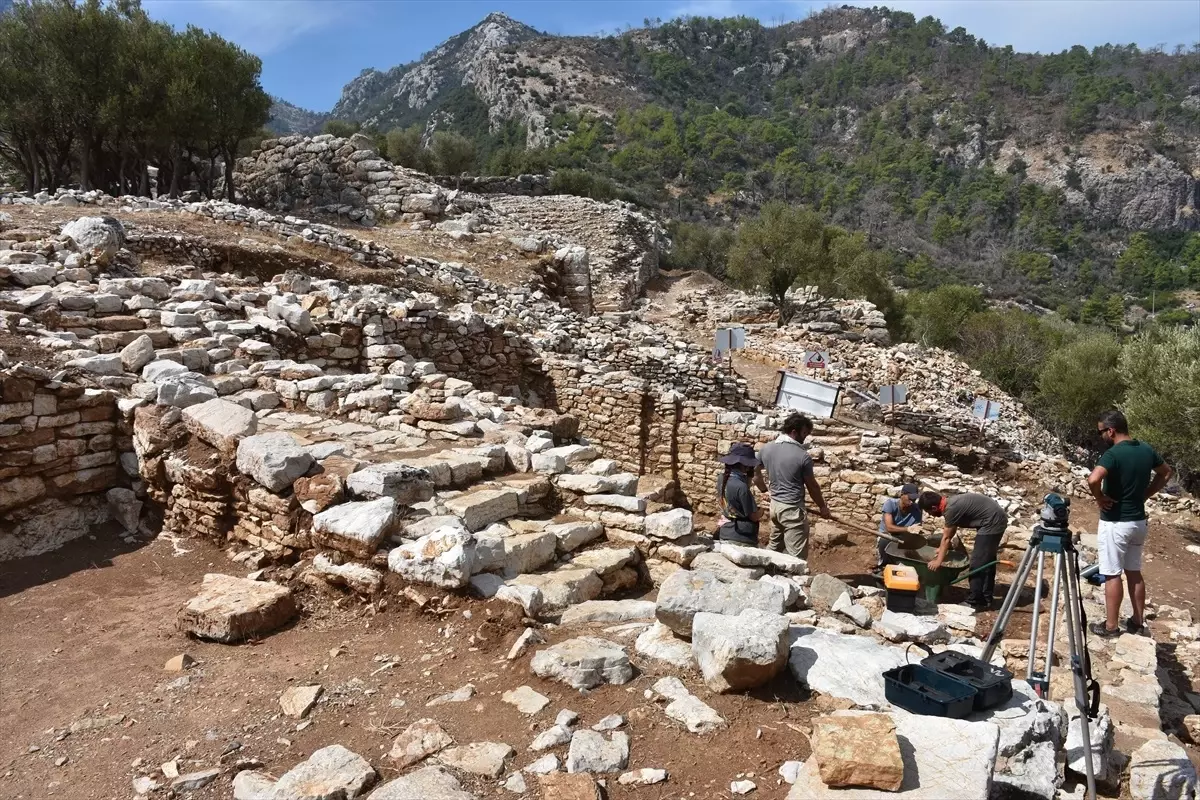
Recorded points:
(1037,611)
(1010,602)
(1059,563)
(1075,642)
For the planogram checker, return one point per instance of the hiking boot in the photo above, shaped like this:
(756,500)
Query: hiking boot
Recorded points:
(1136,630)
(979,604)
(1103,631)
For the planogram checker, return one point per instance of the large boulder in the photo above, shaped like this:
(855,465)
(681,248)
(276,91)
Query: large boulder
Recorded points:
(562,587)
(660,643)
(609,611)
(858,750)
(444,558)
(742,652)
(101,237)
(184,389)
(481,508)
(687,593)
(355,528)
(670,525)
(591,752)
(1102,733)
(403,483)
(137,354)
(942,758)
(777,563)
(273,459)
(847,667)
(220,423)
(230,609)
(478,758)
(427,783)
(330,773)
(824,590)
(1161,770)
(583,663)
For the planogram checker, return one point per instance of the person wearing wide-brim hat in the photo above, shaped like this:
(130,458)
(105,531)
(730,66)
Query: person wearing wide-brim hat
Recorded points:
(741,513)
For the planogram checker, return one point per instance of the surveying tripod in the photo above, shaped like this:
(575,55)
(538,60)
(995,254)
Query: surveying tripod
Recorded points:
(1052,537)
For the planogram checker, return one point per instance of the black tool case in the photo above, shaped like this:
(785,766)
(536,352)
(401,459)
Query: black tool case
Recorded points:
(993,685)
(922,690)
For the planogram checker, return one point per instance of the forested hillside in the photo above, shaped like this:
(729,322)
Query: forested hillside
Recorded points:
(1026,173)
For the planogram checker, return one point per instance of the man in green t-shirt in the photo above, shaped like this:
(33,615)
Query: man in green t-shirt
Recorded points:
(1127,474)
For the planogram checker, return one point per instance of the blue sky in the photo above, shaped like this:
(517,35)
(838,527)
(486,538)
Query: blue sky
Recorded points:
(312,48)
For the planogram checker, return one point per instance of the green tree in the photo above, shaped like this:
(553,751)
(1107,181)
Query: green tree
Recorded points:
(404,148)
(1078,382)
(703,247)
(936,318)
(341,128)
(776,249)
(453,153)
(1010,347)
(1162,367)
(96,92)
(1139,263)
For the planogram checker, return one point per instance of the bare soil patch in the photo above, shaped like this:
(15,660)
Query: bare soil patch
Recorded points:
(89,628)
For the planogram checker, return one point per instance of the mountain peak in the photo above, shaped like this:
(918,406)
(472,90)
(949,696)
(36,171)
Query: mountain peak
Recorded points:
(503,20)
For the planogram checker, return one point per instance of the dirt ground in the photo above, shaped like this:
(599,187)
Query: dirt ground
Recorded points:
(87,630)
(493,257)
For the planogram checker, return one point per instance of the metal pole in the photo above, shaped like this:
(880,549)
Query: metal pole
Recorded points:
(1054,600)
(1010,602)
(1075,642)
(1037,611)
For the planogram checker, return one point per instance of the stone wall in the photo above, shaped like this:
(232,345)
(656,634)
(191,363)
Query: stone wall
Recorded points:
(60,450)
(332,175)
(528,185)
(623,244)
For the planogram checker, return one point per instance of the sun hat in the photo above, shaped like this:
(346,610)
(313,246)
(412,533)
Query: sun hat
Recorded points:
(740,453)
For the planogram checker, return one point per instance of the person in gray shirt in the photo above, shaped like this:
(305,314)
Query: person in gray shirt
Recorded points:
(987,518)
(789,470)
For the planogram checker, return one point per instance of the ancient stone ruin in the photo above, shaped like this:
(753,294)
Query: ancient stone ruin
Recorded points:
(342,424)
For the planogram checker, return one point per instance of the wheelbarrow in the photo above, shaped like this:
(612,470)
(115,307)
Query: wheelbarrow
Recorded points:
(956,567)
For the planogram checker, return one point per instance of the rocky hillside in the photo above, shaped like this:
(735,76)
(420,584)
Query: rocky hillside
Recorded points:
(287,118)
(1006,168)
(414,91)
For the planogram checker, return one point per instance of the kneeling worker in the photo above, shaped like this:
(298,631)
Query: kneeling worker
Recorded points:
(900,515)
(987,518)
(735,499)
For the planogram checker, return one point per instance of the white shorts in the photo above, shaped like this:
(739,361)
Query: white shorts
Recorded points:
(1120,546)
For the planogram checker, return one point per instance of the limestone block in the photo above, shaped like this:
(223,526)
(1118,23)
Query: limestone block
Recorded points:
(230,609)
(220,423)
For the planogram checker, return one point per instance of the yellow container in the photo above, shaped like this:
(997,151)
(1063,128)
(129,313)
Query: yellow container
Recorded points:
(900,577)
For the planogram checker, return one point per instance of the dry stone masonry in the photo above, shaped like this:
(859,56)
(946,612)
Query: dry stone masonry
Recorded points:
(499,443)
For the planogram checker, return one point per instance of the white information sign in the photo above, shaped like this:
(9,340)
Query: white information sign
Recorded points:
(813,397)
(985,410)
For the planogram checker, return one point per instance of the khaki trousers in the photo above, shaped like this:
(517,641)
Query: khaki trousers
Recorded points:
(789,530)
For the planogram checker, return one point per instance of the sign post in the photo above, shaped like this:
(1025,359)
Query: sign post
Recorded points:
(985,411)
(726,340)
(816,360)
(891,394)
